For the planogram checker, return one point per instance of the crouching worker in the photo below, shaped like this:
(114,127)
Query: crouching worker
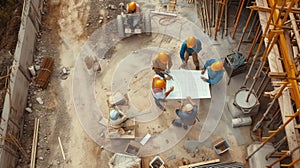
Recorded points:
(215,70)
(187,114)
(117,118)
(159,90)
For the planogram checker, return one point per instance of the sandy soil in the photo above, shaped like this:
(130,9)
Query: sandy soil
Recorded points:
(66,26)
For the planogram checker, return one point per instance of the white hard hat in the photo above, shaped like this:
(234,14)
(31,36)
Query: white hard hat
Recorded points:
(188,107)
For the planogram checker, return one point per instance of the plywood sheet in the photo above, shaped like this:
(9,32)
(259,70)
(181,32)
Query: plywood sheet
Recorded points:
(188,83)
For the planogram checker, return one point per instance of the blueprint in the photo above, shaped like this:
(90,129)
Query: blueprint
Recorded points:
(188,83)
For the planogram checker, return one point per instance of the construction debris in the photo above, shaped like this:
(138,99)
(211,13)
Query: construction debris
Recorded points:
(39,100)
(121,160)
(45,72)
(241,121)
(64,73)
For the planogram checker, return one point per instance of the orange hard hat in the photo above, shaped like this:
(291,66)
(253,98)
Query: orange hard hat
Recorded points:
(131,6)
(160,83)
(191,42)
(217,66)
(163,57)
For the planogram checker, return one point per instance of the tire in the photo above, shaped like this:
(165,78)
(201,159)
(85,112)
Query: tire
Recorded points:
(147,23)
(120,23)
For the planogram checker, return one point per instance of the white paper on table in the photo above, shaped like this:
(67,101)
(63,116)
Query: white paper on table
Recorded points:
(188,83)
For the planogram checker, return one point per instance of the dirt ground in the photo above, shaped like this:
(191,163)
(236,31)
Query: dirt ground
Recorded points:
(66,26)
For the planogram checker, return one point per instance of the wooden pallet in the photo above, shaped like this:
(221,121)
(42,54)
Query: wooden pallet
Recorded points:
(43,77)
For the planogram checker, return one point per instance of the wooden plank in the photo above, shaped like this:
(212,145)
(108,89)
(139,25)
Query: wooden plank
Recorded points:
(34,142)
(200,163)
(285,100)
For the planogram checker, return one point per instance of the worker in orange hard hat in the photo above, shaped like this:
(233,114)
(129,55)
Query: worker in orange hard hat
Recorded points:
(215,69)
(190,47)
(162,63)
(133,7)
(158,90)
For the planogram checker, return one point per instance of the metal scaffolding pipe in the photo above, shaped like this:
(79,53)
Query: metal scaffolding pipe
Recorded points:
(238,18)
(258,124)
(273,134)
(254,41)
(255,21)
(276,148)
(244,29)
(259,46)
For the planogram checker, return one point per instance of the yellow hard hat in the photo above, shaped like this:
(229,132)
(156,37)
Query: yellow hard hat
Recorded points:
(131,6)
(160,83)
(217,66)
(191,42)
(163,57)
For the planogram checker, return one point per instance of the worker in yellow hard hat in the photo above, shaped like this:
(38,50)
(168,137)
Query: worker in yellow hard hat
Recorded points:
(162,63)
(159,91)
(133,7)
(215,69)
(190,47)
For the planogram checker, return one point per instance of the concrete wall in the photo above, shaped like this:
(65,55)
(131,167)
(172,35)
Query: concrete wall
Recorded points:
(15,103)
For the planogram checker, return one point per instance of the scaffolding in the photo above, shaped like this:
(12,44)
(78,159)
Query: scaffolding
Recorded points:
(281,38)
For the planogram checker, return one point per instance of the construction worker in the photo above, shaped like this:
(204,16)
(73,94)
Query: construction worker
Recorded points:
(190,47)
(215,70)
(159,90)
(187,114)
(133,17)
(116,118)
(133,7)
(161,64)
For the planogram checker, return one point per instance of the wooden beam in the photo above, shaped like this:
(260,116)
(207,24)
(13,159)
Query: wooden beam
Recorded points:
(200,163)
(34,142)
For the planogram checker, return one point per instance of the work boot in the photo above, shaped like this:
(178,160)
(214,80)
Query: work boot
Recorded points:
(176,123)
(185,127)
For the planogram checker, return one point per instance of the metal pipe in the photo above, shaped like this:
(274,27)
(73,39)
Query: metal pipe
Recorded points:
(238,19)
(276,148)
(254,41)
(264,88)
(288,153)
(255,21)
(263,80)
(258,124)
(219,20)
(244,29)
(262,63)
(226,19)
(260,44)
(274,133)
(276,113)
(207,18)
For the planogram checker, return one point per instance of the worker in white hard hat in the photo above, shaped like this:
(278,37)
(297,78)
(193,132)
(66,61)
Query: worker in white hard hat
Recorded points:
(187,114)
(162,63)
(215,69)
(117,118)
(190,47)
(159,91)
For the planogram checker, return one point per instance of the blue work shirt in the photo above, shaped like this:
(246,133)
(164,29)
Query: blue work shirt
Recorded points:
(188,118)
(214,76)
(184,48)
